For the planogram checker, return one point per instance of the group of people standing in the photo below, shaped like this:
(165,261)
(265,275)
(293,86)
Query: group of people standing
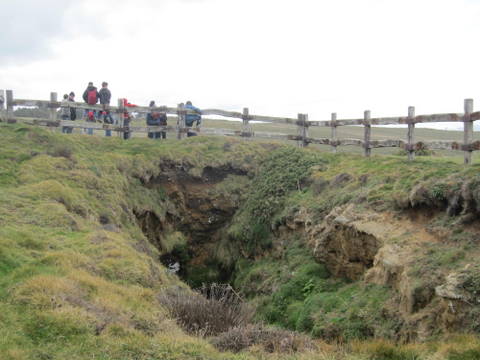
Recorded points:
(93,96)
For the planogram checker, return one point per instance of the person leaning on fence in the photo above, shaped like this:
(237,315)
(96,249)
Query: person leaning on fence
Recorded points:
(190,118)
(105,95)
(156,118)
(127,118)
(65,114)
(90,96)
(73,111)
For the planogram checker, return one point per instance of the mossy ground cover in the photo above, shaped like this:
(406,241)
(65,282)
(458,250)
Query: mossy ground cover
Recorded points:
(292,290)
(79,280)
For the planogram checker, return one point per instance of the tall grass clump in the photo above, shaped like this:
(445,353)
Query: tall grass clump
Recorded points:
(209,311)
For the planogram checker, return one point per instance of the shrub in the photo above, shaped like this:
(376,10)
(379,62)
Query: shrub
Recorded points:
(210,311)
(272,340)
(61,151)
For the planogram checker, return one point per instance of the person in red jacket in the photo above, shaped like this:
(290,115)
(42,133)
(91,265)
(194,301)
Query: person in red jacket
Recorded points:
(90,96)
(127,119)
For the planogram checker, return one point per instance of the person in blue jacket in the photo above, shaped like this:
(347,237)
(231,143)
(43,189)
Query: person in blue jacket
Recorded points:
(191,118)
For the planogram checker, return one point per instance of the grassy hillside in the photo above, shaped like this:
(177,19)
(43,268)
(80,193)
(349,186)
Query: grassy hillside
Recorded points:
(79,279)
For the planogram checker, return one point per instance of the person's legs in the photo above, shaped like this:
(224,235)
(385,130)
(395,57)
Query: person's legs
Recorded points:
(163,134)
(108,117)
(108,132)
(151,135)
(65,128)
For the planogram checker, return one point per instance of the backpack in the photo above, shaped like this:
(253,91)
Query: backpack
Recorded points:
(163,119)
(92,97)
(152,119)
(191,118)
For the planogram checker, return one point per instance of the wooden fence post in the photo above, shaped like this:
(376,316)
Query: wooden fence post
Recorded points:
(2,105)
(305,130)
(120,117)
(246,127)
(9,105)
(333,125)
(53,108)
(302,129)
(367,132)
(468,131)
(180,120)
(410,133)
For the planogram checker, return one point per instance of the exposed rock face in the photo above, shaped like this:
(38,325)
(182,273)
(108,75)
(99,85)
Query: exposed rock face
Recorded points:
(343,245)
(194,205)
(383,249)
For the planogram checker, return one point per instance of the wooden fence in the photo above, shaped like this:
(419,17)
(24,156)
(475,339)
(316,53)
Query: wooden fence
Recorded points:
(8,102)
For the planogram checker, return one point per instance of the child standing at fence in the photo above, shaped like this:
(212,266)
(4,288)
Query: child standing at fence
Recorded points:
(65,114)
(127,118)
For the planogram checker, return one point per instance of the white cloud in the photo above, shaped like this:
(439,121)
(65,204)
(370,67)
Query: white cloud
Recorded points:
(277,57)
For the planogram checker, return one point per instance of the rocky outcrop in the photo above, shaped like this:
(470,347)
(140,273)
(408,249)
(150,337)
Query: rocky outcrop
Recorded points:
(344,242)
(384,249)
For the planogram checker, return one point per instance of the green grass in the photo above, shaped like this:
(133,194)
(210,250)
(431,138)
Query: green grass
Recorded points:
(69,287)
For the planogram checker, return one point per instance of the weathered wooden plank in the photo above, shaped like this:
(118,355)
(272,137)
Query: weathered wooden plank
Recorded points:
(102,126)
(302,130)
(272,119)
(475,116)
(53,111)
(410,133)
(181,120)
(396,120)
(367,133)
(467,130)
(437,145)
(333,125)
(246,127)
(9,104)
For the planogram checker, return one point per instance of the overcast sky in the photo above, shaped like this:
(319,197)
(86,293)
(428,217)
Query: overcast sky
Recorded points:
(277,57)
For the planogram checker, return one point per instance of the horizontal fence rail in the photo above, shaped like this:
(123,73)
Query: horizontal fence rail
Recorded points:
(8,102)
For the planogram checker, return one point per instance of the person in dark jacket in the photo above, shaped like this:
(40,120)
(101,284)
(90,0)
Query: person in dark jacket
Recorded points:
(65,114)
(73,111)
(191,118)
(90,96)
(156,118)
(127,118)
(104,96)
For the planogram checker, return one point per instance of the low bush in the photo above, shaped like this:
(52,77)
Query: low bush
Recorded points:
(61,151)
(208,312)
(272,340)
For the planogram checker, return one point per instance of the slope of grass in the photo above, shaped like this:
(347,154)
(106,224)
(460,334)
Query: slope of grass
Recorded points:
(77,277)
(79,280)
